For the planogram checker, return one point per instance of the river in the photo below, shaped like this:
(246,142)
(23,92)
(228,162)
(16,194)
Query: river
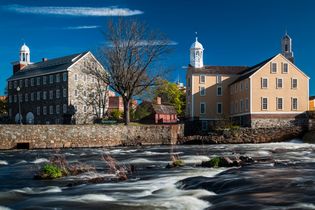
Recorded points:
(284,180)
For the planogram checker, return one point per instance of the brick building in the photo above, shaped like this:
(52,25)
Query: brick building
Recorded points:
(47,92)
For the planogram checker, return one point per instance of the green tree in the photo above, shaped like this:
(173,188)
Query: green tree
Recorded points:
(170,93)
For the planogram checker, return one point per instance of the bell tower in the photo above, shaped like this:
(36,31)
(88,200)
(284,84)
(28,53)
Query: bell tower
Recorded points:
(196,54)
(25,59)
(286,47)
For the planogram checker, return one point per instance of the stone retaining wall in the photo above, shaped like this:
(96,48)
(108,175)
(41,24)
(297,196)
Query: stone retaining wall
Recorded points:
(65,136)
(246,135)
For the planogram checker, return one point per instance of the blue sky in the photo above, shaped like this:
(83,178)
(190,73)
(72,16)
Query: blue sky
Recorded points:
(242,32)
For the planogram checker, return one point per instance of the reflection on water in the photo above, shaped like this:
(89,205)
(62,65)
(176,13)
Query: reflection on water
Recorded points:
(285,179)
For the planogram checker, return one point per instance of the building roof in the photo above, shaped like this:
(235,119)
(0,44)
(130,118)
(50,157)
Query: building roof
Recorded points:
(219,69)
(48,66)
(163,109)
(312,97)
(251,70)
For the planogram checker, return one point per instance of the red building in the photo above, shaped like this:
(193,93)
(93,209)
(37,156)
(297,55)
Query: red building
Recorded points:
(116,103)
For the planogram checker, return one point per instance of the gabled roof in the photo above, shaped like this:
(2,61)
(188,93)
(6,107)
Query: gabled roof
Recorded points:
(163,109)
(48,66)
(250,71)
(219,69)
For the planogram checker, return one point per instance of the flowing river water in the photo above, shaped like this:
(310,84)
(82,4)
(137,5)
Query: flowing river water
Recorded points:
(285,179)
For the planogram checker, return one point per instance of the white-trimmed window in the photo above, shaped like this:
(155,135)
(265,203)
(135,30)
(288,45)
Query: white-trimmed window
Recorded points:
(32,96)
(44,95)
(204,125)
(10,98)
(188,81)
(219,108)
(84,109)
(294,103)
(37,80)
(64,76)
(264,103)
(246,85)
(219,79)
(279,103)
(264,83)
(76,77)
(51,109)
(64,108)
(202,91)
(57,109)
(21,83)
(26,82)
(202,108)
(32,81)
(246,104)
(10,85)
(44,80)
(15,84)
(38,110)
(241,105)
(51,79)
(219,90)
(44,110)
(57,78)
(51,94)
(279,82)
(236,107)
(64,92)
(202,79)
(294,83)
(26,97)
(57,93)
(38,95)
(285,68)
(273,68)
(15,98)
(241,86)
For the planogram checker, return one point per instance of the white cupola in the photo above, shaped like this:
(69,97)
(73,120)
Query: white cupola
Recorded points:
(196,54)
(286,47)
(25,56)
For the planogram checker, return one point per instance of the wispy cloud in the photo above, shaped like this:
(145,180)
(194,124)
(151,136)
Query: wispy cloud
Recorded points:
(72,11)
(80,27)
(148,43)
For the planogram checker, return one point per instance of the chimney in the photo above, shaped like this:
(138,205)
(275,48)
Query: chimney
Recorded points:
(44,59)
(158,101)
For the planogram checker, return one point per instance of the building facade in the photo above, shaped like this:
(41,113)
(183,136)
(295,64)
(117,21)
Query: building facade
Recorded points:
(272,93)
(53,91)
(312,103)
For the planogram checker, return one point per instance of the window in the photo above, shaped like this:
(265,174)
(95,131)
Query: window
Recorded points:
(32,81)
(241,105)
(219,91)
(51,94)
(21,83)
(44,110)
(51,110)
(219,108)
(38,96)
(57,78)
(10,85)
(219,79)
(202,91)
(75,77)
(57,93)
(44,95)
(84,108)
(294,103)
(279,103)
(246,85)
(26,97)
(64,76)
(51,79)
(241,86)
(57,109)
(273,68)
(236,107)
(202,79)
(44,80)
(20,97)
(264,83)
(26,82)
(10,99)
(246,104)
(286,48)
(285,69)
(64,92)
(264,103)
(204,125)
(32,96)
(38,81)
(38,110)
(15,84)
(202,108)
(279,83)
(75,92)
(294,83)
(188,82)
(64,108)
(15,98)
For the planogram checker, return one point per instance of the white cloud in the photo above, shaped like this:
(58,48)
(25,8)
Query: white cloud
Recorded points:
(72,11)
(80,27)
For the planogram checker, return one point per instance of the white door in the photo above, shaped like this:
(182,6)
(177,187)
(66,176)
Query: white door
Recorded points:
(30,118)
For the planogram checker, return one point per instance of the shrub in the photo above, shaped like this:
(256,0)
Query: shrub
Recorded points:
(115,115)
(51,171)
(215,162)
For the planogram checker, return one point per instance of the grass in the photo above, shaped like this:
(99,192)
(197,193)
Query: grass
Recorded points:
(215,162)
(51,171)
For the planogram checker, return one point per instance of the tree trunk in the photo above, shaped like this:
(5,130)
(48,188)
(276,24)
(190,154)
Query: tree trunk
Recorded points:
(126,111)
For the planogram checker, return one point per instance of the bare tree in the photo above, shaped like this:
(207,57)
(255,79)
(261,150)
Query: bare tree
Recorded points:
(130,57)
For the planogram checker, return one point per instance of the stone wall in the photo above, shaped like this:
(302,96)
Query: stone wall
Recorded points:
(65,136)
(278,122)
(247,135)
